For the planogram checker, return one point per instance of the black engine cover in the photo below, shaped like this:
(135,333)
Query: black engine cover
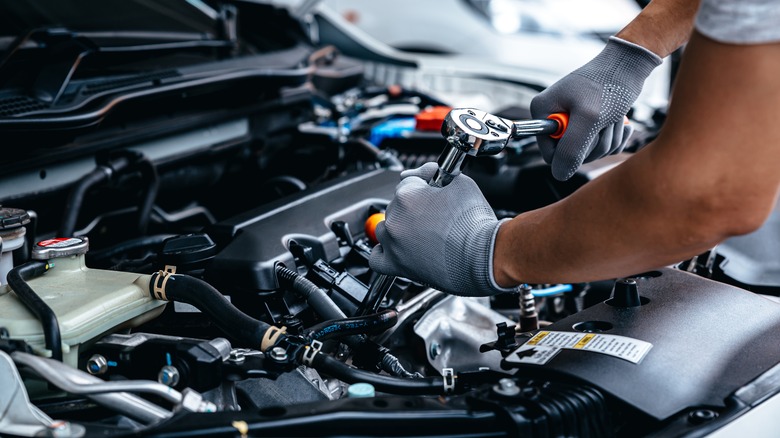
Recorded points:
(709,339)
(255,240)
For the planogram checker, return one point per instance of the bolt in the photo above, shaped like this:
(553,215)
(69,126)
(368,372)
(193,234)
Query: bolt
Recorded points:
(168,376)
(278,354)
(506,386)
(435,350)
(237,356)
(700,416)
(97,364)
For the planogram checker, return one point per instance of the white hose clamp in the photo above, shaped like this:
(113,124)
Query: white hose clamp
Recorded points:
(448,374)
(311,351)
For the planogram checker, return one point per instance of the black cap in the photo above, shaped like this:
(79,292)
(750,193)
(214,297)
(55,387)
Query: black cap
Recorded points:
(11,218)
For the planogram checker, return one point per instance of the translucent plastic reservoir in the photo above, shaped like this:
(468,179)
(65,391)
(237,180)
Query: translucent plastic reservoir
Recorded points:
(89,303)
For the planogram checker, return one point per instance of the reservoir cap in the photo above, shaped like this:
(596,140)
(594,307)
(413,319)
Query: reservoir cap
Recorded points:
(60,247)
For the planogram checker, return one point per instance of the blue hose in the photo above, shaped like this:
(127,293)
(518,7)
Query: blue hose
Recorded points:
(552,290)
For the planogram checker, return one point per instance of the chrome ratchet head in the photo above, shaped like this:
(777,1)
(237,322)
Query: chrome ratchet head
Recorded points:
(476,132)
(469,132)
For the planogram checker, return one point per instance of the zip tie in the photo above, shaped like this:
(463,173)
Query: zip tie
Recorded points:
(170,268)
(311,351)
(448,374)
(271,336)
(159,288)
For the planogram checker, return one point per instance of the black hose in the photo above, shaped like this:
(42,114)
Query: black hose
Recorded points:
(100,175)
(326,308)
(316,297)
(385,158)
(353,326)
(211,302)
(148,174)
(389,384)
(145,242)
(17,280)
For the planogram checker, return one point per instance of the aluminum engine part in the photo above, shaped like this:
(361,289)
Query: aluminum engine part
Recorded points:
(453,331)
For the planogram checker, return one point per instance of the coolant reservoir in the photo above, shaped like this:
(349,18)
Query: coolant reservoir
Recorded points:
(89,303)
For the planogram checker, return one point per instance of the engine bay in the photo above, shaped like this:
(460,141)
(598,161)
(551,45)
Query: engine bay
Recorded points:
(185,253)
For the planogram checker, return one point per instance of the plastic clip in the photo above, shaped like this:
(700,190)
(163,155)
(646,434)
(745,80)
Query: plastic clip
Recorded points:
(271,336)
(311,351)
(448,374)
(159,285)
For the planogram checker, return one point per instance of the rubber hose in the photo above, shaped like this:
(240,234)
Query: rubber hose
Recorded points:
(353,326)
(316,297)
(226,316)
(148,174)
(389,384)
(386,159)
(153,242)
(76,198)
(17,280)
(325,307)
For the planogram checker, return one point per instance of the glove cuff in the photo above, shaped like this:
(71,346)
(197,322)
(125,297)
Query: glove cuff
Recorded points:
(655,59)
(493,285)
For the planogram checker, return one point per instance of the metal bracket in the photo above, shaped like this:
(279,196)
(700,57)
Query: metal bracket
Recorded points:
(17,415)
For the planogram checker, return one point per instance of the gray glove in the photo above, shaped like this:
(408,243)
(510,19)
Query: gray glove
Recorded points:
(597,97)
(442,237)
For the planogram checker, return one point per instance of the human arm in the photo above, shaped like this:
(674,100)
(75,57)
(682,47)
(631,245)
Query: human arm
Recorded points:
(711,174)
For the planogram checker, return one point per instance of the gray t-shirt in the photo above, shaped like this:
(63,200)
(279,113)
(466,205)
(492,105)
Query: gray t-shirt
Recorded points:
(740,21)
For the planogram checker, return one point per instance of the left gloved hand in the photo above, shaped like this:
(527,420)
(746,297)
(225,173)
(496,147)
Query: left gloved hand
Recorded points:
(443,237)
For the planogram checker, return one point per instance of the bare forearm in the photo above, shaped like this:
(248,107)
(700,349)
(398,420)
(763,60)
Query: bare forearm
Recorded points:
(711,174)
(662,26)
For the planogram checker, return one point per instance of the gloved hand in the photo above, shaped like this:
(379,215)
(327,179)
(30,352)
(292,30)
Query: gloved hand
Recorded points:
(597,97)
(442,237)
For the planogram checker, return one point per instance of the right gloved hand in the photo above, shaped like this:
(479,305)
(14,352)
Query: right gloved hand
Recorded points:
(440,236)
(597,97)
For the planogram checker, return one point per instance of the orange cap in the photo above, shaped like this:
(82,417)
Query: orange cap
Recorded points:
(430,119)
(371,224)
(563,123)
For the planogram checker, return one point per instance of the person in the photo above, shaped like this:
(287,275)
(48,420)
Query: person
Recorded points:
(711,173)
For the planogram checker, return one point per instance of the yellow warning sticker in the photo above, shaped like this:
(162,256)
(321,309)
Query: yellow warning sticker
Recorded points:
(546,344)
(584,341)
(536,339)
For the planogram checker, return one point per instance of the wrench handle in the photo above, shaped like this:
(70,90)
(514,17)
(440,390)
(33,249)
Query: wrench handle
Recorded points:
(554,125)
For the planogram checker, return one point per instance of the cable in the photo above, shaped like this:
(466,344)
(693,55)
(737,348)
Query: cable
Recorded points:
(17,280)
(352,326)
(390,384)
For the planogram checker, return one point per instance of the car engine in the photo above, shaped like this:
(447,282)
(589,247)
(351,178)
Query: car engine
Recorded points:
(185,250)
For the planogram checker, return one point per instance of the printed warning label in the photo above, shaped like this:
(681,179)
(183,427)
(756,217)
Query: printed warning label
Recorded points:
(541,346)
(533,354)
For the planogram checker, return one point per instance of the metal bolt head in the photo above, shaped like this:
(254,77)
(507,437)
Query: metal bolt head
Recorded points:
(700,416)
(97,364)
(506,386)
(278,354)
(237,356)
(435,350)
(169,376)
(60,428)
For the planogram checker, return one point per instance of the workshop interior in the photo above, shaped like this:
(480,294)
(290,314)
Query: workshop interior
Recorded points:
(189,193)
